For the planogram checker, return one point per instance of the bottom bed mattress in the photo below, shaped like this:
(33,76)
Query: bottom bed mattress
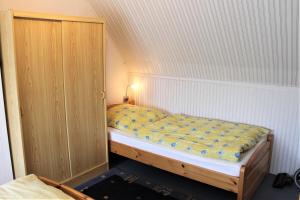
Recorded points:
(30,187)
(222,166)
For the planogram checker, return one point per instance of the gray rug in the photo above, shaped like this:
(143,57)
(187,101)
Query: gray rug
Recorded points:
(133,178)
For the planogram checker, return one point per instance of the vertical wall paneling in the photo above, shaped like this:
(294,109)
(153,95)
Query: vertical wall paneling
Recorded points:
(228,40)
(269,106)
(231,42)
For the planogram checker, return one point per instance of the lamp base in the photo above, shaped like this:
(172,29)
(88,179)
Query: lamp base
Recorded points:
(125,99)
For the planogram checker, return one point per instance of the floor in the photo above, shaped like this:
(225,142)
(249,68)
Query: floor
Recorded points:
(198,190)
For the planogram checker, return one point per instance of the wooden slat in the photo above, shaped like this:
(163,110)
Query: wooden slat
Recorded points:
(241,187)
(259,166)
(263,149)
(74,193)
(47,16)
(49,181)
(40,82)
(184,169)
(253,183)
(68,190)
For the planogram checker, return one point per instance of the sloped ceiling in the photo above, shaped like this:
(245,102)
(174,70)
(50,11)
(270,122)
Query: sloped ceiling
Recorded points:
(252,41)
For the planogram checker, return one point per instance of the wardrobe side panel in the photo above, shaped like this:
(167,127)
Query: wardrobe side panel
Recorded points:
(11,96)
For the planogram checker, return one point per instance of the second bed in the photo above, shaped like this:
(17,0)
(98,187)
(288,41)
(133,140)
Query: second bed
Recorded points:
(130,136)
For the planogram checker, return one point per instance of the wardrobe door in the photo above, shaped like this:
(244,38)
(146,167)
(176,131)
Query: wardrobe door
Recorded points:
(84,86)
(41,92)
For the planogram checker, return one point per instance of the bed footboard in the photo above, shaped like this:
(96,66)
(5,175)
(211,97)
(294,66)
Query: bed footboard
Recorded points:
(253,173)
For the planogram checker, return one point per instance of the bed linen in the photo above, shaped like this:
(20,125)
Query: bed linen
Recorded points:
(200,136)
(217,165)
(30,187)
(129,117)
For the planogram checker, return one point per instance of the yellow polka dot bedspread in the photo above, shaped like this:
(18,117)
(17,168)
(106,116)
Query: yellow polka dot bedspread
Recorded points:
(196,135)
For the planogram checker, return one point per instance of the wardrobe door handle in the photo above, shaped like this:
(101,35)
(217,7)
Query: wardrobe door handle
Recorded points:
(21,112)
(102,94)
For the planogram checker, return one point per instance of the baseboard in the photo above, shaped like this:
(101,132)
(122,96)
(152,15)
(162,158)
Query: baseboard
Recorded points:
(87,175)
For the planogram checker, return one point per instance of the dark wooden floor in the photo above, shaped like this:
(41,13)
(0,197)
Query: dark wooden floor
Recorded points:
(199,190)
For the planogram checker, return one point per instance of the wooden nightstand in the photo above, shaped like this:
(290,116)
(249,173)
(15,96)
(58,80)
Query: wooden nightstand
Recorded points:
(132,102)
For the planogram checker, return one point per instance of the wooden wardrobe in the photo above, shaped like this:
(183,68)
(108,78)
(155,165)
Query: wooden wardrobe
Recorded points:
(54,82)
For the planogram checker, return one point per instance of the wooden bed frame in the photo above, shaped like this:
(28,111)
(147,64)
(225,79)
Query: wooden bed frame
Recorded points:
(251,174)
(68,190)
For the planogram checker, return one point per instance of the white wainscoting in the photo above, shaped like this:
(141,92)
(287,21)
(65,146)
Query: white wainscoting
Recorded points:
(270,106)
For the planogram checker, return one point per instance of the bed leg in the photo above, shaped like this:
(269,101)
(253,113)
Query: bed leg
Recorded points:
(240,194)
(254,171)
(270,139)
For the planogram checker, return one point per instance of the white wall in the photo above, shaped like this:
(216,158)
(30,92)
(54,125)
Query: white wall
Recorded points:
(230,40)
(6,173)
(116,74)
(298,62)
(66,7)
(240,41)
(132,30)
(269,106)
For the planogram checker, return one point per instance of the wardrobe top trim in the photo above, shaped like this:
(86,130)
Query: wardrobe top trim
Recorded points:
(46,16)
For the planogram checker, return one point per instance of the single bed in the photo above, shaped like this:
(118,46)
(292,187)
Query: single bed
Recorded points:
(222,166)
(34,187)
(241,177)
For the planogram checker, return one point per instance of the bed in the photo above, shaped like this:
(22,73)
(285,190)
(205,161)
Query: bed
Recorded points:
(36,187)
(241,177)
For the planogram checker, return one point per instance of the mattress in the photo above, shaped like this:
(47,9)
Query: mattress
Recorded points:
(222,166)
(206,137)
(30,187)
